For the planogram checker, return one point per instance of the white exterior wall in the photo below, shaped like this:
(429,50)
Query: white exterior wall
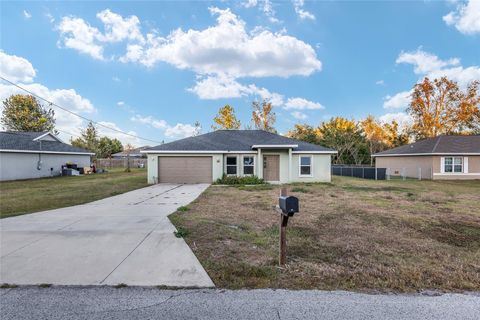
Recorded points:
(321,165)
(152,165)
(16,166)
(322,171)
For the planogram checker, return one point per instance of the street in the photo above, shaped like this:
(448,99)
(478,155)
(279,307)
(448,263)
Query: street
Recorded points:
(153,303)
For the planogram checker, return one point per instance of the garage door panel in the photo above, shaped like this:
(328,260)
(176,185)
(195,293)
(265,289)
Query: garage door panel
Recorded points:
(185,169)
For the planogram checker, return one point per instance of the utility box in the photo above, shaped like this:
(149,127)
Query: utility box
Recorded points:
(288,205)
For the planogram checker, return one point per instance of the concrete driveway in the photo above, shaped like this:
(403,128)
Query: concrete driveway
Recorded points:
(122,239)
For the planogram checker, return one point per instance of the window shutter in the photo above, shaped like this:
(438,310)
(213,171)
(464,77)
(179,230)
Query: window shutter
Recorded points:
(465,164)
(442,164)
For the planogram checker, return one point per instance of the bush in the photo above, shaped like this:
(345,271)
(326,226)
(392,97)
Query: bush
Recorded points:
(232,180)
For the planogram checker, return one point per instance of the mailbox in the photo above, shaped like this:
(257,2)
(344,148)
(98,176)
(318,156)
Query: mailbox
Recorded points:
(288,205)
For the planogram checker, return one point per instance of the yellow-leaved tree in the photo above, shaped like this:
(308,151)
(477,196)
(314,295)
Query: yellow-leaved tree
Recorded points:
(226,119)
(441,107)
(263,116)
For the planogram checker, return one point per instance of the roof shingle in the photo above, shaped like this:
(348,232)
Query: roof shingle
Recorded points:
(453,144)
(23,141)
(235,140)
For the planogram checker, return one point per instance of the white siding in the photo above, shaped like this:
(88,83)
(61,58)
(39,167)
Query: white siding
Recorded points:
(16,166)
(321,168)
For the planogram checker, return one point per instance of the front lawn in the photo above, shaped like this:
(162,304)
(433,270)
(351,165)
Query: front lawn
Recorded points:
(27,196)
(353,234)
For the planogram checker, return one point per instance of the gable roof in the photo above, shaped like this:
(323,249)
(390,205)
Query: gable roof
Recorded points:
(36,142)
(221,141)
(453,144)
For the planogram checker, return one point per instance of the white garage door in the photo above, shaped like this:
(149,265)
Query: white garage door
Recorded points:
(185,169)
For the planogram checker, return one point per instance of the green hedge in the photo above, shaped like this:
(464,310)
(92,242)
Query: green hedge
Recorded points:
(239,180)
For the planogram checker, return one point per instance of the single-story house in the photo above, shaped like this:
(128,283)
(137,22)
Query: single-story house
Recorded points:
(442,157)
(27,155)
(207,157)
(134,153)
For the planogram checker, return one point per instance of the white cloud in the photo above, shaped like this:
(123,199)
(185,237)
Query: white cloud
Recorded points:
(466,17)
(380,82)
(425,62)
(299,115)
(223,87)
(430,65)
(156,123)
(462,75)
(302,13)
(76,34)
(27,14)
(124,138)
(302,104)
(118,28)
(249,3)
(16,69)
(399,100)
(227,48)
(116,79)
(180,130)
(67,123)
(120,103)
(404,120)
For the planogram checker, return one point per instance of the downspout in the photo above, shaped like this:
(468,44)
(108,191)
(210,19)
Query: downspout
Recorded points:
(39,163)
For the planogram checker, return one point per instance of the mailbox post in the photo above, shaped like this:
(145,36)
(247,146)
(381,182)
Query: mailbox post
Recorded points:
(288,207)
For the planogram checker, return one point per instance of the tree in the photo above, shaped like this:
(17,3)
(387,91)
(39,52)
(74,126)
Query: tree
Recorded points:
(226,119)
(128,149)
(304,132)
(25,113)
(106,147)
(88,139)
(440,107)
(262,116)
(198,128)
(345,136)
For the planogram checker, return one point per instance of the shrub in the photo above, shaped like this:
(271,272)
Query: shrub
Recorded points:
(232,180)
(181,232)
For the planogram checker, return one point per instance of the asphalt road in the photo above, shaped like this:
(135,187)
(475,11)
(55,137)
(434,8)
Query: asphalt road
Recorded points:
(152,303)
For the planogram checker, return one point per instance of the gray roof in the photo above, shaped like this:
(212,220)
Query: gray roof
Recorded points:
(235,140)
(24,141)
(453,144)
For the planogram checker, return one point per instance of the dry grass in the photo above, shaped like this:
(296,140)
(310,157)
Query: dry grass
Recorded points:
(353,234)
(27,196)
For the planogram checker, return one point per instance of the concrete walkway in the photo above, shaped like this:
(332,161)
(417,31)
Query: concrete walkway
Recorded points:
(122,239)
(151,303)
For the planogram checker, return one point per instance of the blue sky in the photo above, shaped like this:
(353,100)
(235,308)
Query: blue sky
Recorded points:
(154,68)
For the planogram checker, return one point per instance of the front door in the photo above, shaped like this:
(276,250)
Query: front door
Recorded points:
(271,168)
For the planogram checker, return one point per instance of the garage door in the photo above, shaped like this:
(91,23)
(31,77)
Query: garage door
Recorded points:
(185,169)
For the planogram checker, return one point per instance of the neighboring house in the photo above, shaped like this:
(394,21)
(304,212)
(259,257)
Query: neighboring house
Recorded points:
(442,157)
(27,155)
(134,153)
(205,158)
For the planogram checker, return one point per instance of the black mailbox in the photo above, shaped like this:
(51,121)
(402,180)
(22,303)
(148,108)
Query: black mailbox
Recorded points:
(288,205)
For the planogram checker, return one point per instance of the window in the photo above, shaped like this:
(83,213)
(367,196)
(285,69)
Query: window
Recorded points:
(453,164)
(232,165)
(248,167)
(305,166)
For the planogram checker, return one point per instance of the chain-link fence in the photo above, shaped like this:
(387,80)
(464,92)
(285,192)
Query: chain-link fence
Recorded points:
(420,173)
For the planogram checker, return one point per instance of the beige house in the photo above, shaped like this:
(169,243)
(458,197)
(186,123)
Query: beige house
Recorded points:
(443,157)
(206,158)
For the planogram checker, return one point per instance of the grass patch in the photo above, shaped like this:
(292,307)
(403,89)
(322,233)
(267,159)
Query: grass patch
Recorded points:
(299,189)
(121,285)
(183,208)
(8,286)
(181,232)
(44,285)
(352,234)
(27,196)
